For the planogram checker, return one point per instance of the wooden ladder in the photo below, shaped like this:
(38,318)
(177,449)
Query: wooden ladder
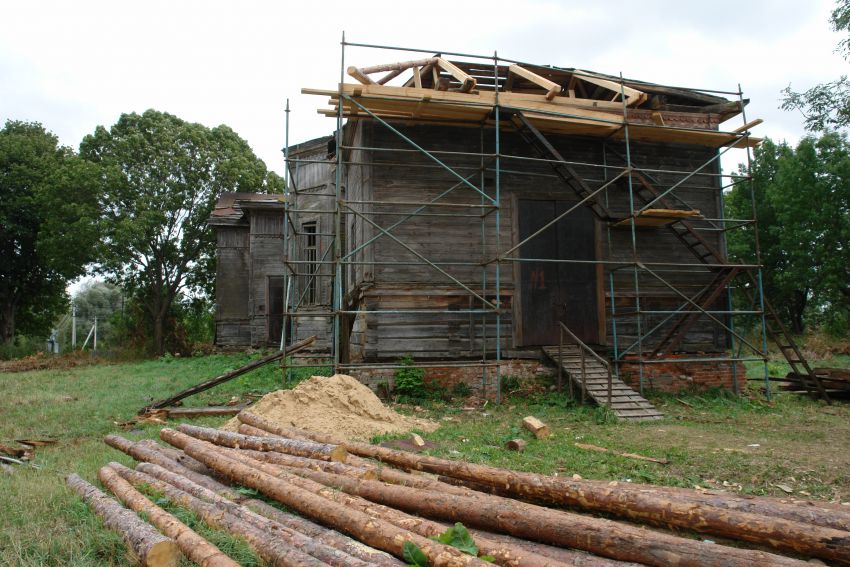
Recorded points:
(567,174)
(687,234)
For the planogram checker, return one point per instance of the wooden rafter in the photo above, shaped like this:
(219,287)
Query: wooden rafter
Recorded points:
(552,88)
(467,83)
(633,96)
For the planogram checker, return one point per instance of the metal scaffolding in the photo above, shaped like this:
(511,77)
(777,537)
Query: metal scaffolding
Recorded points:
(484,205)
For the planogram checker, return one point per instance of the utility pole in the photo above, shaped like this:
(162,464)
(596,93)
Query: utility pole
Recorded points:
(73,326)
(94,344)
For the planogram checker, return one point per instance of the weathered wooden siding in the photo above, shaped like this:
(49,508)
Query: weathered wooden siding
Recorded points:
(232,321)
(454,241)
(267,260)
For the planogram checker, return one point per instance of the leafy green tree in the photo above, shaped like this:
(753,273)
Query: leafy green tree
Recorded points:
(96,299)
(48,226)
(826,106)
(162,177)
(802,200)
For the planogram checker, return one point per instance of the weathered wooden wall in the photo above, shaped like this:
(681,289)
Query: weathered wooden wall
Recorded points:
(403,282)
(391,277)
(232,321)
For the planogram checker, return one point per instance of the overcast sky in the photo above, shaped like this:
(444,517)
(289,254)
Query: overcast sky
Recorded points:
(75,65)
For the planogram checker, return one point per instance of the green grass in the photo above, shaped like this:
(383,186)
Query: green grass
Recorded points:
(41,523)
(707,437)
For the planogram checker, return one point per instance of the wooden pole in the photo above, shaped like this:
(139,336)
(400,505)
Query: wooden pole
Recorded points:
(309,449)
(291,349)
(151,547)
(150,455)
(504,554)
(259,513)
(632,502)
(193,546)
(280,547)
(371,531)
(556,527)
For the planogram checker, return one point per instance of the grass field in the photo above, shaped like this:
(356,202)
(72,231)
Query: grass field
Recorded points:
(711,440)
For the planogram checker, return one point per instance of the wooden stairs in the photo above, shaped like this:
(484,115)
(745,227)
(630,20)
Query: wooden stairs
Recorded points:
(626,404)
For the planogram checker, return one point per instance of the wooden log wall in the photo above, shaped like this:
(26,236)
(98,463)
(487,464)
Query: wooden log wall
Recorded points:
(410,284)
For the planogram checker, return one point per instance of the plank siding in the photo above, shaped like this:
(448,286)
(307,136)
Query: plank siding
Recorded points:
(389,274)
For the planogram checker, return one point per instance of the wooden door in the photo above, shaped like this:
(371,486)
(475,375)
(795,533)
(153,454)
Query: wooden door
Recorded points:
(555,291)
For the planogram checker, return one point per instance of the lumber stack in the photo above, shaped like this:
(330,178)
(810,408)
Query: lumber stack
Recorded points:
(361,504)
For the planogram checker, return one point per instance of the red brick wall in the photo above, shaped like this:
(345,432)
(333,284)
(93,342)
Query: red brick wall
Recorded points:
(448,376)
(676,376)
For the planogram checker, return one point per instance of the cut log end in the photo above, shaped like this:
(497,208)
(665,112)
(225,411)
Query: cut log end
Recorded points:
(516,445)
(150,547)
(339,454)
(540,429)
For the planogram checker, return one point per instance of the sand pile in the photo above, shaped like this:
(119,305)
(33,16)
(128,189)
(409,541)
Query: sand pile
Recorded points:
(338,405)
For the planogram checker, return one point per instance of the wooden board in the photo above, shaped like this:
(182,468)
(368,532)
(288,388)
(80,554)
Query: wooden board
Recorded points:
(653,218)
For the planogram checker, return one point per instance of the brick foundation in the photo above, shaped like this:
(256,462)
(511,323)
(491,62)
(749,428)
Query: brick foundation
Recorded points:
(677,376)
(448,376)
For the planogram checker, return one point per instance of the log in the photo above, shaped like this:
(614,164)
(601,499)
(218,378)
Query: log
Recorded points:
(540,429)
(249,510)
(417,440)
(148,545)
(556,527)
(358,74)
(383,472)
(150,455)
(193,546)
(376,533)
(568,556)
(277,547)
(504,554)
(178,456)
(516,445)
(282,459)
(291,349)
(310,449)
(400,66)
(626,501)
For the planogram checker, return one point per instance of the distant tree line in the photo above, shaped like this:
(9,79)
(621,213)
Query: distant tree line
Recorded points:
(130,207)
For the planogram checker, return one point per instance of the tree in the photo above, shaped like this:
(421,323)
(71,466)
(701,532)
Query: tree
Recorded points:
(48,226)
(162,178)
(826,106)
(802,199)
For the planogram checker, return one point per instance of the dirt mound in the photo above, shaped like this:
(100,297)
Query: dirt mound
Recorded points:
(339,405)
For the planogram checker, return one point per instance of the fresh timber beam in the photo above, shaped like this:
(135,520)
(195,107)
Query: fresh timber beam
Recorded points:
(360,75)
(633,96)
(467,83)
(400,66)
(552,88)
(748,125)
(193,546)
(150,547)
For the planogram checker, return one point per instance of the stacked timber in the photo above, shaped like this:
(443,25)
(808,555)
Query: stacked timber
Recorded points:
(360,504)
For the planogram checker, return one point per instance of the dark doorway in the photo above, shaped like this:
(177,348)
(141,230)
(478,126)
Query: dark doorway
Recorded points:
(276,309)
(554,291)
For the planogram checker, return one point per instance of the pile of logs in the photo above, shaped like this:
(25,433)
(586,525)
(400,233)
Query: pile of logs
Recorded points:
(360,504)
